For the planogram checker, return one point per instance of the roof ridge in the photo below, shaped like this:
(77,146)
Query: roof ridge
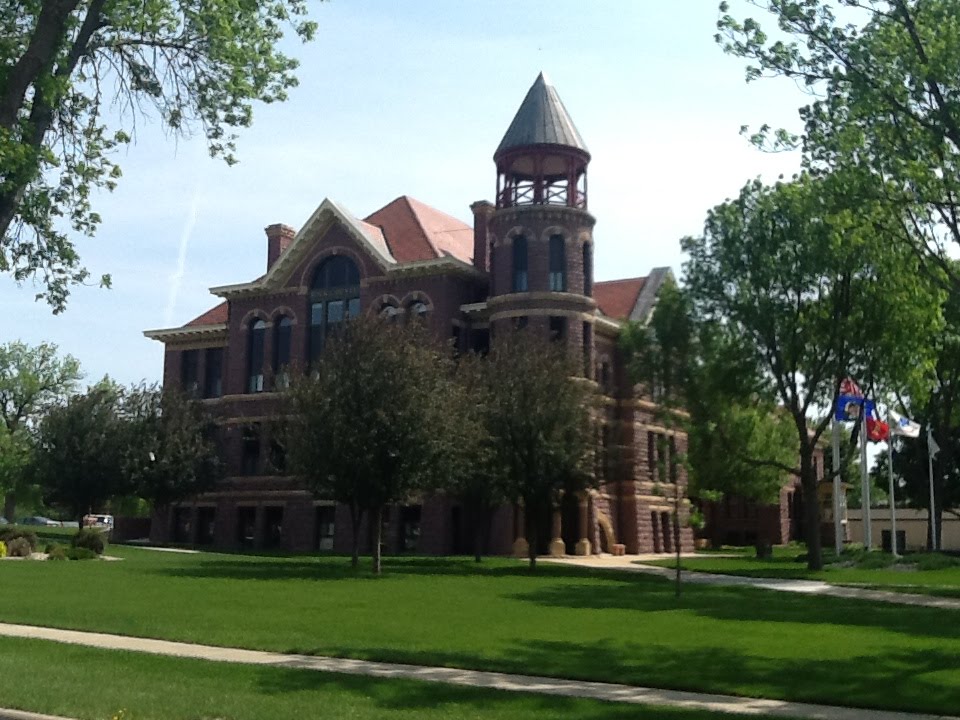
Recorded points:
(419,221)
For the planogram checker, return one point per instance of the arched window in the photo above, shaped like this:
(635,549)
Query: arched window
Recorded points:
(257,334)
(418,310)
(520,283)
(558,264)
(282,332)
(334,298)
(389,313)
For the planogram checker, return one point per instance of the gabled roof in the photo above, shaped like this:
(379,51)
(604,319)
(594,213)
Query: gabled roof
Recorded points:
(368,236)
(541,120)
(414,231)
(617,298)
(630,298)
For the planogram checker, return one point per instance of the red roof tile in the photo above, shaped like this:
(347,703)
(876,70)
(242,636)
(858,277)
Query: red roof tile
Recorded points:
(213,316)
(415,231)
(617,298)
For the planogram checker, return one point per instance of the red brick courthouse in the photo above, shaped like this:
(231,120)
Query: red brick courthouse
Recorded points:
(527,261)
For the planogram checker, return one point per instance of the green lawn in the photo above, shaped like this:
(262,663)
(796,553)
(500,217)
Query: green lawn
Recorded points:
(565,622)
(785,565)
(96,684)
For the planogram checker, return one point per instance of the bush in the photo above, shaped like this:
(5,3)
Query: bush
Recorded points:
(876,561)
(56,552)
(90,539)
(3,549)
(19,547)
(935,561)
(12,533)
(80,553)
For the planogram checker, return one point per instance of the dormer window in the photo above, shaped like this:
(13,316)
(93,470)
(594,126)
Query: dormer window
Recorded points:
(334,299)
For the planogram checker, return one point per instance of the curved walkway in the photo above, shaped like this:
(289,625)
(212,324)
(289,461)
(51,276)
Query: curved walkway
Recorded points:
(630,563)
(474,678)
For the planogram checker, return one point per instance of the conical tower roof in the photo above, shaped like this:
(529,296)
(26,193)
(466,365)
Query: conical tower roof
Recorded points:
(541,120)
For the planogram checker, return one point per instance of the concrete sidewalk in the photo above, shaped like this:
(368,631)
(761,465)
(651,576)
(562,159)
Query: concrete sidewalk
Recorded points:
(630,563)
(471,678)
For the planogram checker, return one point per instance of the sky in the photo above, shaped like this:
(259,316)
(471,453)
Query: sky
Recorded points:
(412,99)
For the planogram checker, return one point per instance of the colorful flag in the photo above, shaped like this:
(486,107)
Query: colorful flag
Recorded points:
(848,386)
(849,407)
(899,425)
(877,430)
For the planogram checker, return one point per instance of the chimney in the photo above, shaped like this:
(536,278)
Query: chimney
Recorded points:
(482,210)
(279,237)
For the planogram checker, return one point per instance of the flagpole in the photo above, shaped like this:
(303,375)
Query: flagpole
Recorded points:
(933,511)
(893,504)
(865,481)
(837,525)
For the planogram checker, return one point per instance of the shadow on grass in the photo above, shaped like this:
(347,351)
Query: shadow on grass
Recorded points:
(407,695)
(734,603)
(324,568)
(830,681)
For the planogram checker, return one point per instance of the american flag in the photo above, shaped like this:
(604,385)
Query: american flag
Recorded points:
(848,386)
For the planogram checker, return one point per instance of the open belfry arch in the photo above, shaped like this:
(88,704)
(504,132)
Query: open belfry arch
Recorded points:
(527,261)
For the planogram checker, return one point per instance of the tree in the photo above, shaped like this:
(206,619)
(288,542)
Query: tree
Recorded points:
(477,480)
(885,77)
(75,78)
(170,454)
(737,441)
(800,274)
(367,426)
(32,380)
(80,451)
(539,418)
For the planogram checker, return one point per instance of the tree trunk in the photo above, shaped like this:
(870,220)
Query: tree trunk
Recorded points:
(478,533)
(10,506)
(356,516)
(676,532)
(531,524)
(811,508)
(377,518)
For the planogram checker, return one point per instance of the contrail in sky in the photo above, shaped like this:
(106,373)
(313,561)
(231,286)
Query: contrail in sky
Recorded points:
(177,278)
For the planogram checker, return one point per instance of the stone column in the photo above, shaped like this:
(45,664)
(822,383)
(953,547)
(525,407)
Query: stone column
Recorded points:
(521,548)
(583,544)
(557,546)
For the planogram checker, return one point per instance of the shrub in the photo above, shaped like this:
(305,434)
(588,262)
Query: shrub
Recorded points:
(56,552)
(80,553)
(3,549)
(12,533)
(90,539)
(876,561)
(935,561)
(19,547)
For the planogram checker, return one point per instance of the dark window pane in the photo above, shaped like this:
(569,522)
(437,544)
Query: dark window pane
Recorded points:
(213,373)
(336,272)
(353,307)
(255,356)
(335,310)
(520,283)
(190,382)
(558,328)
(587,271)
(282,335)
(558,264)
(250,450)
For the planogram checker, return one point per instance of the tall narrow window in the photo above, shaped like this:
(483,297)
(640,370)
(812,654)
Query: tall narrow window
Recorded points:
(250,450)
(189,379)
(558,264)
(282,333)
(334,298)
(587,270)
(558,328)
(258,332)
(520,283)
(213,373)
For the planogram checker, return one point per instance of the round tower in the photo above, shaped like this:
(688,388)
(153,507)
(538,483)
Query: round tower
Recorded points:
(541,250)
